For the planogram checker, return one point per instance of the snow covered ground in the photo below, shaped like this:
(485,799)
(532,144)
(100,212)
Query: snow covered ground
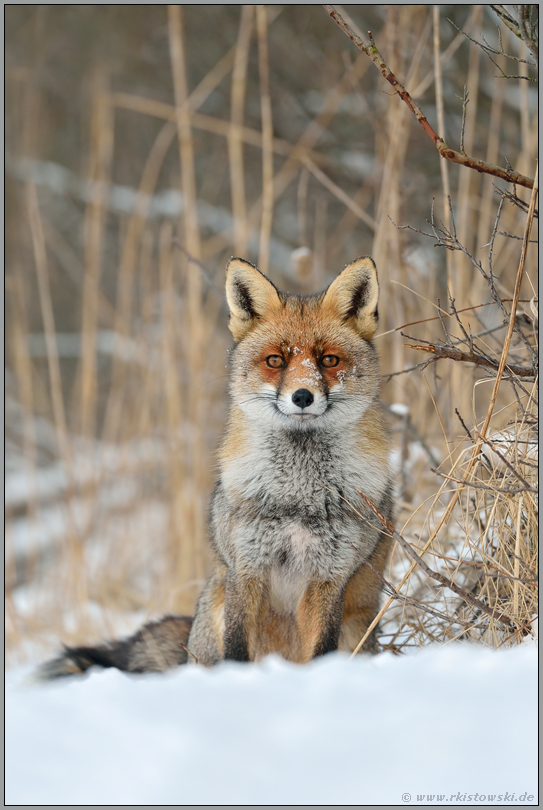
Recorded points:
(454,725)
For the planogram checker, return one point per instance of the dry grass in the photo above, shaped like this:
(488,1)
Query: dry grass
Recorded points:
(117,339)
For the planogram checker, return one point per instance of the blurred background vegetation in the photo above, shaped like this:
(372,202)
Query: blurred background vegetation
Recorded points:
(145,145)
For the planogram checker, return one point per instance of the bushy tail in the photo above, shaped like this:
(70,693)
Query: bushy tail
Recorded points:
(157,646)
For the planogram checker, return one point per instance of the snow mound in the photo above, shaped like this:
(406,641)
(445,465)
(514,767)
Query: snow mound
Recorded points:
(436,727)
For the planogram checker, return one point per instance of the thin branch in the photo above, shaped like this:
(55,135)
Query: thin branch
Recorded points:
(465,102)
(179,244)
(415,433)
(441,352)
(508,464)
(488,487)
(488,49)
(449,314)
(522,28)
(443,580)
(447,238)
(444,150)
(409,600)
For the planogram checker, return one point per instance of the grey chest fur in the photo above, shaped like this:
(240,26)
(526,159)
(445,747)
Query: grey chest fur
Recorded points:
(290,508)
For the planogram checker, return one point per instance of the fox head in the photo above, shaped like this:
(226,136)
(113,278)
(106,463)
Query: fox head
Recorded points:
(302,361)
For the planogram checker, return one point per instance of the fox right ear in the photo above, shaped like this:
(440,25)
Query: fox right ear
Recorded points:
(250,296)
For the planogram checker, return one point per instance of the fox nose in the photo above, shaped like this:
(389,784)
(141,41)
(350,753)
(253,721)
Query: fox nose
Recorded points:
(302,398)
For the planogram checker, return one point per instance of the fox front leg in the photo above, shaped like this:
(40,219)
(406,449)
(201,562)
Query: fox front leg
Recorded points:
(242,604)
(319,618)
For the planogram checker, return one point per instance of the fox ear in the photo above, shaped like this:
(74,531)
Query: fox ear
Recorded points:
(354,294)
(250,296)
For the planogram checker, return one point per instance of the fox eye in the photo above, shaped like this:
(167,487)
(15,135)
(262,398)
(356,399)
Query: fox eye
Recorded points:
(329,361)
(275,361)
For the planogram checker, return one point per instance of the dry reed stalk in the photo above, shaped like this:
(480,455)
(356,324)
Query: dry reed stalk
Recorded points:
(70,262)
(207,123)
(492,151)
(304,146)
(235,132)
(392,145)
(24,373)
(267,139)
(131,240)
(349,221)
(289,170)
(30,141)
(469,289)
(469,286)
(517,559)
(516,296)
(338,192)
(445,57)
(319,242)
(443,165)
(184,132)
(527,152)
(181,552)
(301,207)
(77,571)
(101,150)
(146,417)
(459,270)
(196,527)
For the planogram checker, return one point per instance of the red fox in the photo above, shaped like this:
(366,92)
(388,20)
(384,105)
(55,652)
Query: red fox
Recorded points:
(298,555)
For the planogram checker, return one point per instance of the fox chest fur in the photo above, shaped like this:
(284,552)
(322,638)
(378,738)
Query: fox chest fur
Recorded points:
(290,508)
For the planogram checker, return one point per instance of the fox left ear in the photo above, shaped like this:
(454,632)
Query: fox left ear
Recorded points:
(354,295)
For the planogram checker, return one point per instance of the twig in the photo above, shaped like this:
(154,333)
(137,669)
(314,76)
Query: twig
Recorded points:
(508,463)
(448,314)
(520,630)
(416,435)
(408,600)
(188,651)
(490,488)
(443,580)
(441,352)
(499,575)
(512,236)
(477,448)
(488,49)
(267,138)
(516,296)
(444,150)
(523,28)
(179,244)
(446,237)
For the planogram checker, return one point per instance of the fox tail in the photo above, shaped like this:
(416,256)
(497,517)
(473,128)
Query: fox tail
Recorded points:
(157,646)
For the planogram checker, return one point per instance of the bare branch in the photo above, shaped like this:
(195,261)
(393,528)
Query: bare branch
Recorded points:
(443,580)
(441,352)
(523,28)
(488,487)
(416,603)
(488,49)
(444,150)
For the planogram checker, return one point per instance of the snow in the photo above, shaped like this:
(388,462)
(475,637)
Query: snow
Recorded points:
(399,409)
(456,719)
